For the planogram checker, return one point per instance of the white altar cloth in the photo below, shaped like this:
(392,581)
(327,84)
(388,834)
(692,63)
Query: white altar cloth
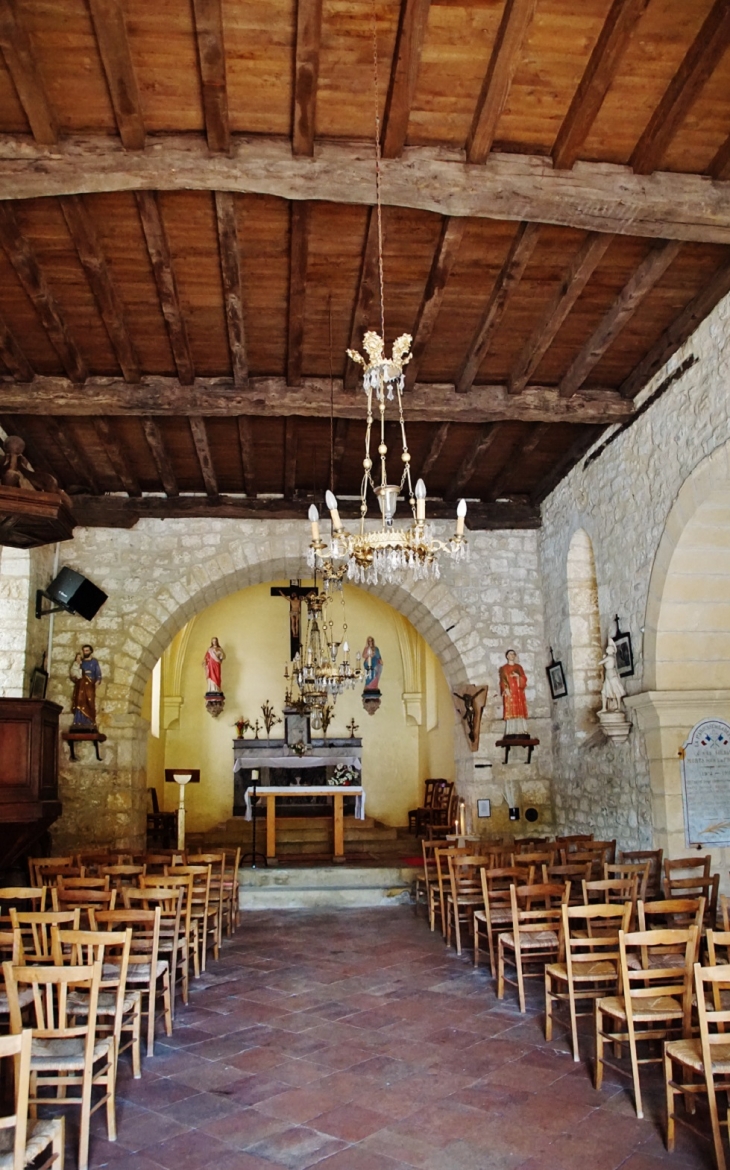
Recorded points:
(295,761)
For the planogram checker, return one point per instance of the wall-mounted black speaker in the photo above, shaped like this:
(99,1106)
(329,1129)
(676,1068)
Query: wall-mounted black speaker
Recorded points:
(73,593)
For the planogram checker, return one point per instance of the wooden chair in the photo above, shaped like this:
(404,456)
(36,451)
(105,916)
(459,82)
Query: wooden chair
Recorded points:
(65,1052)
(575,874)
(464,896)
(178,933)
(608,890)
(414,821)
(156,862)
(531,844)
(639,857)
(84,899)
(669,914)
(572,841)
(23,898)
(655,1002)
(48,870)
(537,858)
(35,930)
(496,913)
(37,864)
(535,937)
(124,875)
(87,882)
(11,951)
(32,1138)
(147,972)
(217,863)
(592,959)
(439,819)
(441,857)
(231,890)
(92,859)
(204,924)
(426,883)
(624,872)
(696,887)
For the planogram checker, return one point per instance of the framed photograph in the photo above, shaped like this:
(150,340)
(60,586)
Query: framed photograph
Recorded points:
(624,654)
(38,683)
(556,679)
(484,808)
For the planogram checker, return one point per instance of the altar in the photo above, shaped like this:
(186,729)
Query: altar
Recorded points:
(270,794)
(279,764)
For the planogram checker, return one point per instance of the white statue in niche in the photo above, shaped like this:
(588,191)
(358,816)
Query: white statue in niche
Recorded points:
(612,691)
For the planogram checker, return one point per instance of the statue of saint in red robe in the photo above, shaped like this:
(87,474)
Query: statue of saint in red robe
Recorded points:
(512,683)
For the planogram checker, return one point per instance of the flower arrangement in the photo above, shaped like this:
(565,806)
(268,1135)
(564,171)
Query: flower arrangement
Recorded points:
(242,725)
(344,775)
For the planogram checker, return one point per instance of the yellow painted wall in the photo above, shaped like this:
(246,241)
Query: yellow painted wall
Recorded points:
(252,627)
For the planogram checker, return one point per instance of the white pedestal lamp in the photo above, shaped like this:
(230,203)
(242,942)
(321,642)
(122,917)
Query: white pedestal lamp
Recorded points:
(181,779)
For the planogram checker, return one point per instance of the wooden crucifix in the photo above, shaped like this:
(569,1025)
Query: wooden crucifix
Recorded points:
(295,593)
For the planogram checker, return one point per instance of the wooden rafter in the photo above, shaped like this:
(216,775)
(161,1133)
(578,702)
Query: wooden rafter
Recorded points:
(12,355)
(503,465)
(516,19)
(700,60)
(156,444)
(290,457)
(575,452)
(480,448)
(116,456)
(212,61)
(594,197)
(306,75)
(339,446)
(600,71)
(720,166)
(367,306)
(245,439)
(230,258)
(511,273)
(61,437)
(159,253)
(447,249)
(83,234)
(18,53)
(434,451)
(404,75)
(113,41)
(651,269)
(571,286)
(298,251)
(21,255)
(199,431)
(521,452)
(679,331)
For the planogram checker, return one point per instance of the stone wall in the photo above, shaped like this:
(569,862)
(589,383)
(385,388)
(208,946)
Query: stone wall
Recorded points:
(23,637)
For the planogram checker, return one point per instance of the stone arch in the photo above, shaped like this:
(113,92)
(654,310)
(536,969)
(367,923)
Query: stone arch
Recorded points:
(585,629)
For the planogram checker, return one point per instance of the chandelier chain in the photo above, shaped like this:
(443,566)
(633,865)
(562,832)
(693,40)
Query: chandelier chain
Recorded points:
(378,200)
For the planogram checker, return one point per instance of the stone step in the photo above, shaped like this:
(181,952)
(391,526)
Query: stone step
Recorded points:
(324,887)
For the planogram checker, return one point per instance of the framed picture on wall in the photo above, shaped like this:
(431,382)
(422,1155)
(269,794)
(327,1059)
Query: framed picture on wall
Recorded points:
(624,653)
(556,678)
(484,808)
(38,683)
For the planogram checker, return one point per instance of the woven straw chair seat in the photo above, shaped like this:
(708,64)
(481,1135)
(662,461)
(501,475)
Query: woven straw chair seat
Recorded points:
(595,970)
(40,1134)
(657,962)
(690,1053)
(140,972)
(107,1004)
(644,1010)
(25,996)
(535,940)
(64,1054)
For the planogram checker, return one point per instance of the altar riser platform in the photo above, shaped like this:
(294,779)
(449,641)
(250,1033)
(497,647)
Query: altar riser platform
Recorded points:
(326,887)
(299,836)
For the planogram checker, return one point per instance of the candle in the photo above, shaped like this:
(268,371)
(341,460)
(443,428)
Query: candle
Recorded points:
(314,518)
(420,501)
(460,514)
(331,501)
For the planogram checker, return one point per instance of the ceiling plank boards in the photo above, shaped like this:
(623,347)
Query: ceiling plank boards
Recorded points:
(703,55)
(22,256)
(18,54)
(113,41)
(230,259)
(100,280)
(482,445)
(156,444)
(447,250)
(159,253)
(199,431)
(339,446)
(12,355)
(622,310)
(720,166)
(516,20)
(511,274)
(521,453)
(434,451)
(298,252)
(306,75)
(579,272)
(212,63)
(290,457)
(116,456)
(245,439)
(503,468)
(367,302)
(404,76)
(62,439)
(575,452)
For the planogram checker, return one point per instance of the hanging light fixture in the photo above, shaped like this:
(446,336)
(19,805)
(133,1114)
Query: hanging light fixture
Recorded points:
(387,552)
(321,669)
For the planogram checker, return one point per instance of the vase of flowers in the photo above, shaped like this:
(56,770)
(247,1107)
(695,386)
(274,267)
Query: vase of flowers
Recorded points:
(344,775)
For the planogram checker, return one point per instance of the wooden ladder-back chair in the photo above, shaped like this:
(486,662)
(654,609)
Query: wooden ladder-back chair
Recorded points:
(232,892)
(464,896)
(496,913)
(35,929)
(536,858)
(625,871)
(200,907)
(610,890)
(535,937)
(592,960)
(37,864)
(572,841)
(669,914)
(426,883)
(32,1138)
(414,814)
(157,860)
(87,882)
(655,1003)
(11,951)
(655,859)
(92,859)
(217,862)
(172,947)
(124,875)
(531,844)
(84,900)
(575,874)
(179,944)
(696,887)
(23,898)
(441,858)
(147,972)
(438,821)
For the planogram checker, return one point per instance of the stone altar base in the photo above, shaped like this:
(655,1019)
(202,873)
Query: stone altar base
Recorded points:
(328,887)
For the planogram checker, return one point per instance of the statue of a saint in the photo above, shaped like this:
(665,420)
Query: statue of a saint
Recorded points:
(85,674)
(612,691)
(373,664)
(214,656)
(512,684)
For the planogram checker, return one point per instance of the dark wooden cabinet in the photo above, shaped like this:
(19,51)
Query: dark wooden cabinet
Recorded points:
(29,801)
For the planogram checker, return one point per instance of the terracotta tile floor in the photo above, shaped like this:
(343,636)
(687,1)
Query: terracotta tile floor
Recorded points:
(356,1041)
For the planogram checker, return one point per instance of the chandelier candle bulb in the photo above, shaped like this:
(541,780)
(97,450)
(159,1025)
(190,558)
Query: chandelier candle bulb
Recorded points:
(331,501)
(460,516)
(314,517)
(420,501)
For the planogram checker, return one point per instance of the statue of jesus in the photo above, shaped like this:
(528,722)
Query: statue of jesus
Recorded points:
(214,656)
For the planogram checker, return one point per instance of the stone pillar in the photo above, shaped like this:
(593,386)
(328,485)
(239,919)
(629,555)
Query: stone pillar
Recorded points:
(23,637)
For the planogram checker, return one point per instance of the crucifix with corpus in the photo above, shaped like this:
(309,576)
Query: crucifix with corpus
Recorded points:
(296,593)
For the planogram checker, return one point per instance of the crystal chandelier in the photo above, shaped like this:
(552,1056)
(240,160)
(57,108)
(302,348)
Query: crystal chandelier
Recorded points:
(321,669)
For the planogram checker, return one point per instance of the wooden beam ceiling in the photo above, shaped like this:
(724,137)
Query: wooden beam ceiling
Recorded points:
(114,49)
(720,166)
(290,457)
(306,75)
(212,64)
(159,253)
(12,355)
(434,451)
(516,19)
(367,302)
(447,250)
(230,258)
(483,443)
(245,439)
(64,441)
(156,444)
(404,75)
(298,252)
(199,431)
(116,456)
(22,67)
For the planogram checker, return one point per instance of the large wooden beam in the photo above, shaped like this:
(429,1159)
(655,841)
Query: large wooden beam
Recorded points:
(521,451)
(85,240)
(21,255)
(593,196)
(212,60)
(719,168)
(12,355)
(116,456)
(298,251)
(683,326)
(113,41)
(159,252)
(18,54)
(507,281)
(245,439)
(290,457)
(651,269)
(516,19)
(62,439)
(452,232)
(576,278)
(366,314)
(306,75)
(600,71)
(158,450)
(404,75)
(503,465)
(434,402)
(199,431)
(434,451)
(480,448)
(230,257)
(700,61)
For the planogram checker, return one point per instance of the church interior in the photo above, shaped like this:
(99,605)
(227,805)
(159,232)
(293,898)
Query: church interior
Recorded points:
(364,584)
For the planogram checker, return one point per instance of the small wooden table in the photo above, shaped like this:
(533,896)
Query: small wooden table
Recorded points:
(270,793)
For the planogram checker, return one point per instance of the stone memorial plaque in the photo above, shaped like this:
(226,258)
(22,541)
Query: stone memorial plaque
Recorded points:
(706,783)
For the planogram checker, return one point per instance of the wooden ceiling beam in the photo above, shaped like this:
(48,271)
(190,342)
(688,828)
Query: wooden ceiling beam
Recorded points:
(21,255)
(83,234)
(683,326)
(212,62)
(366,314)
(404,76)
(21,64)
(447,249)
(593,196)
(167,291)
(651,269)
(12,355)
(298,250)
(538,432)
(199,431)
(230,258)
(434,452)
(502,470)
(116,456)
(579,272)
(339,446)
(480,448)
(700,61)
(431,402)
(245,439)
(62,439)
(112,38)
(290,457)
(719,168)
(516,19)
(306,76)
(156,444)
(600,71)
(575,452)
(510,275)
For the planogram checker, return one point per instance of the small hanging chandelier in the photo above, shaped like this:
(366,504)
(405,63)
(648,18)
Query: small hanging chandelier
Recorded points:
(321,669)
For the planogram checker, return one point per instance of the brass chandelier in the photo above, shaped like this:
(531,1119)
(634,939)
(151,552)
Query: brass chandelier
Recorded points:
(321,669)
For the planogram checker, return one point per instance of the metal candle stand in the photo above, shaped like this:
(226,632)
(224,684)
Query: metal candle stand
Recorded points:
(254,852)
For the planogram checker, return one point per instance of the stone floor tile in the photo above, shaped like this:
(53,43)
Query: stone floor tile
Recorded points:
(190,1151)
(297,1147)
(350,1122)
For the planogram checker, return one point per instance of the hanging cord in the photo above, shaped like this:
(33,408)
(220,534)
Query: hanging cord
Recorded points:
(332,398)
(378,201)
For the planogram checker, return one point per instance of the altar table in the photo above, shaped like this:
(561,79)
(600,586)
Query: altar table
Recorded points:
(269,793)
